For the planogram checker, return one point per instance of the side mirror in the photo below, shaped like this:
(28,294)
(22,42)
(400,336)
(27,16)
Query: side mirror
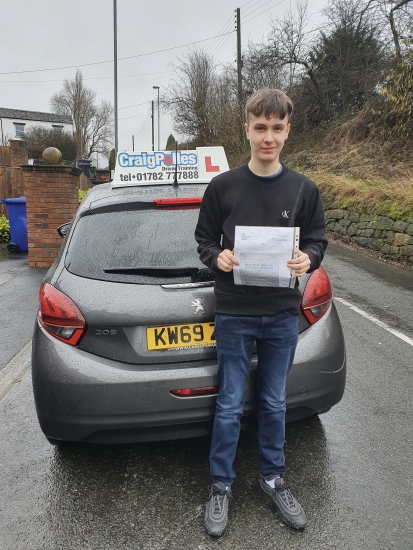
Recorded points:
(63,229)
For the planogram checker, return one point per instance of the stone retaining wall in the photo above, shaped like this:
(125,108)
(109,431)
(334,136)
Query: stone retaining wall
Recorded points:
(380,233)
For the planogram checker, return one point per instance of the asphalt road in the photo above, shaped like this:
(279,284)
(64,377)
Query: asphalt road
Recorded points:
(351,469)
(19,286)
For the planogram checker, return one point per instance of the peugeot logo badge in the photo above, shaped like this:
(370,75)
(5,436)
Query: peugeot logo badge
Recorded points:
(198,305)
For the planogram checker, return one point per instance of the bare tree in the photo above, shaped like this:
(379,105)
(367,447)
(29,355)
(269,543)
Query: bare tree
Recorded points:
(93,124)
(291,42)
(400,17)
(203,102)
(188,98)
(263,68)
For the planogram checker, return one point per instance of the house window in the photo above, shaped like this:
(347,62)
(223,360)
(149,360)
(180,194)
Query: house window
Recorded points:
(19,128)
(57,129)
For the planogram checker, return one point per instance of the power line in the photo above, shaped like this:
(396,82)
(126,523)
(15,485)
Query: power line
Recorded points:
(143,133)
(246,3)
(145,113)
(214,49)
(245,12)
(224,28)
(130,85)
(142,127)
(268,9)
(259,7)
(130,106)
(166,131)
(90,78)
(222,37)
(219,46)
(111,60)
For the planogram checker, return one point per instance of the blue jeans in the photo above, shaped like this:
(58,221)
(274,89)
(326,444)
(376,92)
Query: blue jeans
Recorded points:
(276,338)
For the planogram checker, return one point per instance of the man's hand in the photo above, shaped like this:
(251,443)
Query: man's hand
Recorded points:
(301,264)
(226,260)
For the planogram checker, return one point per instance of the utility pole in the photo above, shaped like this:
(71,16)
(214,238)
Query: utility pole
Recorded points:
(239,60)
(159,127)
(115,56)
(153,126)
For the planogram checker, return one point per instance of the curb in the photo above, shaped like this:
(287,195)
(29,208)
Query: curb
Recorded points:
(14,371)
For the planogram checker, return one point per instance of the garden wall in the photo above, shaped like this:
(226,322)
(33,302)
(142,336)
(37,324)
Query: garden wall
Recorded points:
(384,235)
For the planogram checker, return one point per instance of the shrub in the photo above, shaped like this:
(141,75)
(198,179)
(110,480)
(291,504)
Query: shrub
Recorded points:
(82,194)
(4,230)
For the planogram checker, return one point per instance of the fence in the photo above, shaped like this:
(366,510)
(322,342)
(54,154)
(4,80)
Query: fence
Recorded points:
(11,185)
(5,157)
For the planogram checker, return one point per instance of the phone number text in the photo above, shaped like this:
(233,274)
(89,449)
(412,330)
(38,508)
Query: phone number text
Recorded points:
(159,176)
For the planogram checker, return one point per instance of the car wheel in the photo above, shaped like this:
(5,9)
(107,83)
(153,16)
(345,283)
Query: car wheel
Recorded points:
(12,247)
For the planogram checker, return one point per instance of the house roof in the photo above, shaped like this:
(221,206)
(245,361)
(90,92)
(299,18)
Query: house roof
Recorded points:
(17,114)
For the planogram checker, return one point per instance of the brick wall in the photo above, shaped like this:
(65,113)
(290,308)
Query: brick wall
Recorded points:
(18,152)
(52,198)
(102,176)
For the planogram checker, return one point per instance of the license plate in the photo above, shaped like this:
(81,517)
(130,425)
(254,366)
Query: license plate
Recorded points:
(177,336)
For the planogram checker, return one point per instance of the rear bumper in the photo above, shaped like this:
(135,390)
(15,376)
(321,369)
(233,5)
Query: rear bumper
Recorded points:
(80,396)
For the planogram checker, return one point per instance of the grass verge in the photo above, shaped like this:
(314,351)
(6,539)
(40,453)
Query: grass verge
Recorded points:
(372,196)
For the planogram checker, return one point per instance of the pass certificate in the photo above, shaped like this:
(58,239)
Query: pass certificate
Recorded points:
(263,253)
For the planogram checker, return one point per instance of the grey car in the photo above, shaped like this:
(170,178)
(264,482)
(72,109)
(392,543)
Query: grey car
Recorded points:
(123,347)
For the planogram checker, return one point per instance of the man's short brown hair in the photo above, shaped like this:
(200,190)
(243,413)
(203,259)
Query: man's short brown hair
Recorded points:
(269,101)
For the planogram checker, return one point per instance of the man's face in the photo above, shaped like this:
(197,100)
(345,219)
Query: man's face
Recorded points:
(266,137)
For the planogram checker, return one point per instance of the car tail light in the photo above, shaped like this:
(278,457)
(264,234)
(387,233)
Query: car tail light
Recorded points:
(178,203)
(317,296)
(196,392)
(60,316)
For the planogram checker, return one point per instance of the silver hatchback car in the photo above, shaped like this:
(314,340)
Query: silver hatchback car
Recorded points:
(123,347)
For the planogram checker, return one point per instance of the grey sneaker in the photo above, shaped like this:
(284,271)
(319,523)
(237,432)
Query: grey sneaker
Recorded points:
(216,513)
(288,508)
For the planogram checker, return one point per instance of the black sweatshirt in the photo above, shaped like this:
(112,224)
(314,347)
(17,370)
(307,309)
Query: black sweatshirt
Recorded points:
(239,197)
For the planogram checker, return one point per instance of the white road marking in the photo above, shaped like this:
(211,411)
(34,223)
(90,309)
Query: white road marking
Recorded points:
(12,273)
(376,321)
(14,372)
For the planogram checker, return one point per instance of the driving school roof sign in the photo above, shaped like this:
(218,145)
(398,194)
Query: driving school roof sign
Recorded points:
(159,167)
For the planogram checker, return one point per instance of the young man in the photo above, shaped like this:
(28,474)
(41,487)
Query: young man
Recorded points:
(261,193)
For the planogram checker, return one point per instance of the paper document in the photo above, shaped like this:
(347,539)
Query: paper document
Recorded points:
(263,253)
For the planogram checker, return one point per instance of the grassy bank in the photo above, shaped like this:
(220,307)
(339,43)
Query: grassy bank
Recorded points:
(372,174)
(372,196)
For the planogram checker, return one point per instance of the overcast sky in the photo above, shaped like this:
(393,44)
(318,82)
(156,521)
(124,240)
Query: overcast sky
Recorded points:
(46,35)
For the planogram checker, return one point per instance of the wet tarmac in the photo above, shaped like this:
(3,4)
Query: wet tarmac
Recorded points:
(351,468)
(19,288)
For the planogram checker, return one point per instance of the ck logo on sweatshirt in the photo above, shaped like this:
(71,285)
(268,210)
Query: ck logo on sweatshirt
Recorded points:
(285,214)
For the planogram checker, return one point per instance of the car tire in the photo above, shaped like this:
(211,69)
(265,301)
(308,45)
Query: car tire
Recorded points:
(12,247)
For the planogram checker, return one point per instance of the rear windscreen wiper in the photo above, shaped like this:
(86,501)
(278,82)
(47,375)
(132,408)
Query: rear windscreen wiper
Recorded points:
(166,271)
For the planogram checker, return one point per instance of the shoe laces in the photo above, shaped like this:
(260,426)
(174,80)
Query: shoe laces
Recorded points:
(284,491)
(218,495)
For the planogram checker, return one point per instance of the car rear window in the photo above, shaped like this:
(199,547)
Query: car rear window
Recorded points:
(134,238)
